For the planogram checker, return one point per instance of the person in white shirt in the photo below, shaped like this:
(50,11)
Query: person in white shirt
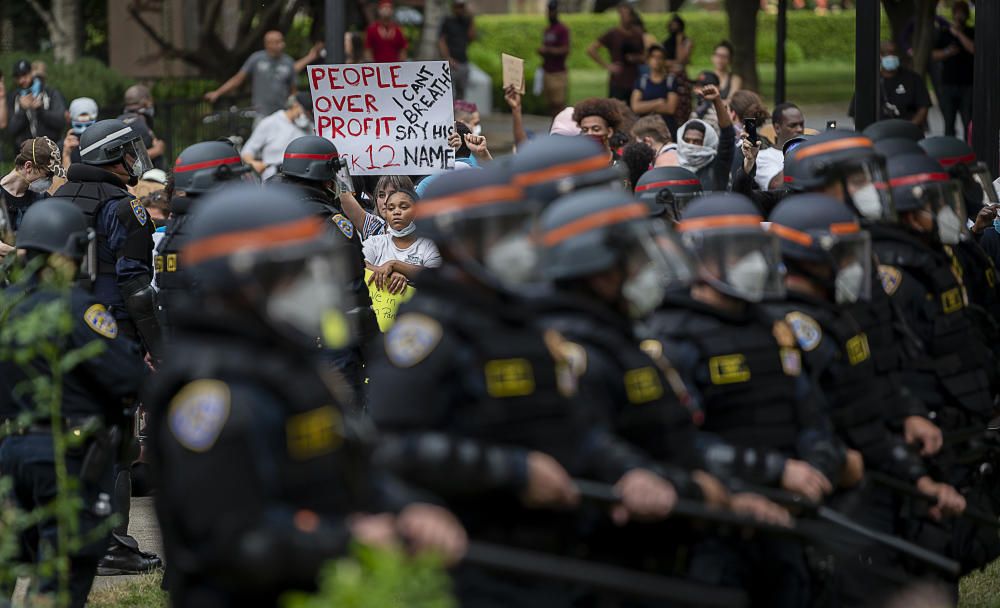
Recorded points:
(397,257)
(374,223)
(265,148)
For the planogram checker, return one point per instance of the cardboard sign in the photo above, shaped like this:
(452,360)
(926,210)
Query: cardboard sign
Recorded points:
(384,303)
(513,72)
(386,118)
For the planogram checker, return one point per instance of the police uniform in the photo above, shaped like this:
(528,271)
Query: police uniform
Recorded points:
(174,285)
(95,393)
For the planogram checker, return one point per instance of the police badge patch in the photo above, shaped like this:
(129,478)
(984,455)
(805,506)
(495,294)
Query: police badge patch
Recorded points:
(139,211)
(100,320)
(807,330)
(890,277)
(344,225)
(411,339)
(198,413)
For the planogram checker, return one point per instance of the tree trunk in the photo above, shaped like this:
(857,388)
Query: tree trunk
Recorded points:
(743,34)
(899,12)
(923,35)
(434,13)
(65,26)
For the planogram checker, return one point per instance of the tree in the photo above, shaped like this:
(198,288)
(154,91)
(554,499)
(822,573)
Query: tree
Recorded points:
(918,15)
(743,35)
(434,13)
(64,22)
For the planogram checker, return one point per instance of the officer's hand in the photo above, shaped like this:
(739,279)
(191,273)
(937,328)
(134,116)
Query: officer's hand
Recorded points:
(645,497)
(853,471)
(396,283)
(259,166)
(949,501)
(374,530)
(918,430)
(760,508)
(801,477)
(5,249)
(549,485)
(715,494)
(429,528)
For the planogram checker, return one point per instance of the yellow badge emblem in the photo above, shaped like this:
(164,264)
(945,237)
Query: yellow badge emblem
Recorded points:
(890,277)
(807,330)
(411,339)
(952,300)
(198,413)
(857,349)
(100,320)
(344,225)
(728,369)
(509,378)
(643,385)
(314,433)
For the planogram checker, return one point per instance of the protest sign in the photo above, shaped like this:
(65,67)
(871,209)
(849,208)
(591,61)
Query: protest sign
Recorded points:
(384,303)
(386,118)
(513,72)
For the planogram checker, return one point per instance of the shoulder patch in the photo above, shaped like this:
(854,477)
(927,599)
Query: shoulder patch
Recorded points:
(101,321)
(807,331)
(140,212)
(344,225)
(411,339)
(890,277)
(197,414)
(782,333)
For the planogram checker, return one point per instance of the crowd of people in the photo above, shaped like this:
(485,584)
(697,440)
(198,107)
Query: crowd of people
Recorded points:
(757,363)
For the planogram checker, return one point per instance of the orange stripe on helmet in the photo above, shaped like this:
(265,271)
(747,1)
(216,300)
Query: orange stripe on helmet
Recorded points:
(919,178)
(791,234)
(256,239)
(719,221)
(608,217)
(836,145)
(577,167)
(487,195)
(845,228)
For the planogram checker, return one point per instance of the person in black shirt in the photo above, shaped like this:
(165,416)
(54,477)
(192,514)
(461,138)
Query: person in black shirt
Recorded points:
(36,163)
(457,31)
(902,92)
(955,48)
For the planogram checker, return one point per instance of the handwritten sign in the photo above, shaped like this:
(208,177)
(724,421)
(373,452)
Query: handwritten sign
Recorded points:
(386,118)
(386,304)
(513,72)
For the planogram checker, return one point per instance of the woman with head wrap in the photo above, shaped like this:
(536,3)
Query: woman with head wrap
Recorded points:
(704,152)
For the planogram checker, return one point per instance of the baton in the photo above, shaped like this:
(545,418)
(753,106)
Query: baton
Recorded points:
(600,576)
(912,491)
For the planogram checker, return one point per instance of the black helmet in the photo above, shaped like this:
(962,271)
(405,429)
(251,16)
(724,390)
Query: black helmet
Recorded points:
(205,165)
(960,161)
(55,225)
(822,239)
(589,232)
(311,158)
(552,166)
(732,251)
(893,128)
(107,142)
(919,183)
(897,146)
(482,223)
(679,184)
(844,158)
(246,240)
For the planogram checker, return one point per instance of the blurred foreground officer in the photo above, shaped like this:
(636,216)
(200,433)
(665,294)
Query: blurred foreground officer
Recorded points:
(553,166)
(497,425)
(243,420)
(198,170)
(667,191)
(53,239)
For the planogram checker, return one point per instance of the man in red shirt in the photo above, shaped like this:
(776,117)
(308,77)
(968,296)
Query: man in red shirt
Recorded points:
(554,49)
(384,39)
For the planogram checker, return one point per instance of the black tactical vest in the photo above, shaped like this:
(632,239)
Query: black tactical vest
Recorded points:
(173,282)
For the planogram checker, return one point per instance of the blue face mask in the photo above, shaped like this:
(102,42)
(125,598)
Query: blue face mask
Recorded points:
(80,127)
(996,224)
(36,88)
(890,63)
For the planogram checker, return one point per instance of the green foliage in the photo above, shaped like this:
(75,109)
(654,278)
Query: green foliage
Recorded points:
(378,578)
(87,77)
(142,591)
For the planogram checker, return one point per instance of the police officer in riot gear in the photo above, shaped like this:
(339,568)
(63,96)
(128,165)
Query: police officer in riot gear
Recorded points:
(500,427)
(746,373)
(241,385)
(894,128)
(200,169)
(667,191)
(553,166)
(53,239)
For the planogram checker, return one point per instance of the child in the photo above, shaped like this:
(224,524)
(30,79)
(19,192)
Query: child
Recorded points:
(396,257)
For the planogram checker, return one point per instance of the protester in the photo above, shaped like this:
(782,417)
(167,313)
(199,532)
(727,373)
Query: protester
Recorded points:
(3,104)
(653,92)
(599,120)
(770,169)
(788,122)
(652,131)
(902,92)
(396,258)
(955,49)
(677,44)
(468,113)
(554,50)
(36,109)
(704,108)
(565,124)
(138,112)
(272,75)
(625,47)
(266,146)
(35,165)
(729,83)
(701,150)
(458,30)
(373,224)
(512,95)
(385,41)
(637,157)
(82,113)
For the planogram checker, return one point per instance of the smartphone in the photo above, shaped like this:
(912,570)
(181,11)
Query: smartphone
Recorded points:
(750,128)
(831,125)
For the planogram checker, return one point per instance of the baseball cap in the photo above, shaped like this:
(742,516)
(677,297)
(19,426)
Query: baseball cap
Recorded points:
(81,106)
(22,67)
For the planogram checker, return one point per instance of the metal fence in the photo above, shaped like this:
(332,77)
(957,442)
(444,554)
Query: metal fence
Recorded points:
(182,122)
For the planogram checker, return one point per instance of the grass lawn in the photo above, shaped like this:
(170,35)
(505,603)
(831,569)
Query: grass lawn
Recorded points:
(808,83)
(981,589)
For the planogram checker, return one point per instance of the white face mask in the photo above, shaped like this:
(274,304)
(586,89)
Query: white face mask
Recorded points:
(512,260)
(40,185)
(302,121)
(868,202)
(477,130)
(407,231)
(305,304)
(849,283)
(644,291)
(949,226)
(749,276)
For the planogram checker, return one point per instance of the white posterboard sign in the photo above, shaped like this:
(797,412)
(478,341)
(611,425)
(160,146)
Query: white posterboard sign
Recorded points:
(386,118)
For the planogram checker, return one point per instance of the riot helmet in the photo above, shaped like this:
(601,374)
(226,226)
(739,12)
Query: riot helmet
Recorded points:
(108,142)
(960,161)
(822,240)
(204,166)
(667,190)
(555,165)
(311,158)
(55,225)
(732,251)
(920,185)
(893,128)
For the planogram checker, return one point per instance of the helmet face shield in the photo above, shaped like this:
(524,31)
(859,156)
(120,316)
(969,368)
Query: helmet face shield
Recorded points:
(744,263)
(981,175)
(136,158)
(653,261)
(500,243)
(866,186)
(308,297)
(850,257)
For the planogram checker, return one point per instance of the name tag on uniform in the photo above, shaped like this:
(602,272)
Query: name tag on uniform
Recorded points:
(857,349)
(728,369)
(951,300)
(509,378)
(313,433)
(643,385)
